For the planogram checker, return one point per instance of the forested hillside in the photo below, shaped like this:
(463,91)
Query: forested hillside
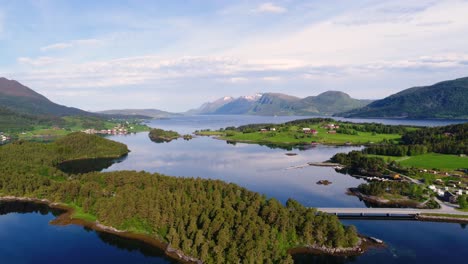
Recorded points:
(442,100)
(11,122)
(207,219)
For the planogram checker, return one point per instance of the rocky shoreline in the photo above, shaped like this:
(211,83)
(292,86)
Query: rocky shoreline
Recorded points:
(444,219)
(401,203)
(364,244)
(65,218)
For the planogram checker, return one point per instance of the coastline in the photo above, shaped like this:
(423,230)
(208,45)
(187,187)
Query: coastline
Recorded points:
(365,243)
(283,144)
(66,218)
(401,203)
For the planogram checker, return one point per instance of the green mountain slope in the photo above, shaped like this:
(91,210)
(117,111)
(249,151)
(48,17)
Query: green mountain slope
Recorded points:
(447,99)
(21,99)
(331,102)
(14,122)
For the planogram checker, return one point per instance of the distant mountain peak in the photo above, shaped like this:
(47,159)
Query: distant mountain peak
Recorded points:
(281,104)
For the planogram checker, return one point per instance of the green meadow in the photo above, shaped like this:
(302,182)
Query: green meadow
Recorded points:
(431,161)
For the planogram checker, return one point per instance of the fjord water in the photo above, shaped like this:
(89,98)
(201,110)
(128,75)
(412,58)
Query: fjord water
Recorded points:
(27,238)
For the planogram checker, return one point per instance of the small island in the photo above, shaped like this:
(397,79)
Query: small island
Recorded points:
(324,182)
(163,136)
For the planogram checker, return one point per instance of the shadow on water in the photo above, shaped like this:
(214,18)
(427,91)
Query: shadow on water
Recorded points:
(121,243)
(322,259)
(20,207)
(88,165)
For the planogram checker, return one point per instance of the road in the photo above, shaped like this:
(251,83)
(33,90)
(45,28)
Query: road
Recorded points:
(391,211)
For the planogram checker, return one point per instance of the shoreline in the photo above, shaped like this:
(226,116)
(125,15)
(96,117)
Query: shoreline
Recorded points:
(65,218)
(365,243)
(282,144)
(403,203)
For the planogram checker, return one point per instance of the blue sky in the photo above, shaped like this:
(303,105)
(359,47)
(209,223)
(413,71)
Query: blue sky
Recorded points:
(175,55)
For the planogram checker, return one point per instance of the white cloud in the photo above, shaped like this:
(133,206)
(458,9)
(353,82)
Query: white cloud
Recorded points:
(270,8)
(70,44)
(40,61)
(56,46)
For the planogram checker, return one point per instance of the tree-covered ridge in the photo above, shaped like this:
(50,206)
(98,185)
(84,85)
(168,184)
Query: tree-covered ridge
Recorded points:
(442,100)
(452,139)
(207,219)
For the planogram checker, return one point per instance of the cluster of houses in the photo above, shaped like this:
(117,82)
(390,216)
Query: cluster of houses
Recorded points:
(307,130)
(448,194)
(4,138)
(117,130)
(331,128)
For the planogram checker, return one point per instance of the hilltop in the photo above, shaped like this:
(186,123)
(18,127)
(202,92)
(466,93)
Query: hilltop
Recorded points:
(446,99)
(21,99)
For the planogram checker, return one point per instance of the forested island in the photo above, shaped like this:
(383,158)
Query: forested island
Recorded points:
(208,220)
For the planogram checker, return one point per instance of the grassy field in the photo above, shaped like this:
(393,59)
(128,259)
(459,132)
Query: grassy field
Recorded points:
(431,161)
(294,135)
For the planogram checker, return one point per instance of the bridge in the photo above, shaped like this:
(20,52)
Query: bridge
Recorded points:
(387,212)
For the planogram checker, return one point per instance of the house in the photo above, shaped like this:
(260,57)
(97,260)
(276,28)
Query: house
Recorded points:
(314,132)
(330,126)
(272,129)
(306,130)
(459,192)
(432,187)
(440,193)
(332,132)
(263,130)
(449,197)
(396,177)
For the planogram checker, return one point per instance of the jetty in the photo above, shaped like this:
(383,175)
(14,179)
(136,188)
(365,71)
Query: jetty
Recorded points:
(324,164)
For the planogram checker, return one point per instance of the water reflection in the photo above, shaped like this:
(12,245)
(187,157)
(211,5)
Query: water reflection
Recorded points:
(258,168)
(29,228)
(88,165)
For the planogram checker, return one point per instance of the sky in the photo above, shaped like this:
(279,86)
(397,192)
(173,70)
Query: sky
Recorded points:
(175,55)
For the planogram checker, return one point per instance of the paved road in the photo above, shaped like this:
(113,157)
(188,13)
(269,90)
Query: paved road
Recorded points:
(395,211)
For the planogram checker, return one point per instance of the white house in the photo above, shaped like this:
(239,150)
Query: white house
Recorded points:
(432,187)
(441,193)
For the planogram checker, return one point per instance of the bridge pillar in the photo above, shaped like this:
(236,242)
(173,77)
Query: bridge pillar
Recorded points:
(362,214)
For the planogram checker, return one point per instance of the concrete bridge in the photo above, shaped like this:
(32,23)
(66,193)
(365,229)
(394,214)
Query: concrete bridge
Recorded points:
(387,212)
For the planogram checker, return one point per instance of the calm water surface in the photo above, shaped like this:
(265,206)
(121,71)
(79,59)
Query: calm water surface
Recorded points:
(258,168)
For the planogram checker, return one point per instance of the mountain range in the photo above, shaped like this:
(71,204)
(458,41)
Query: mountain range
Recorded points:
(139,113)
(448,99)
(326,103)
